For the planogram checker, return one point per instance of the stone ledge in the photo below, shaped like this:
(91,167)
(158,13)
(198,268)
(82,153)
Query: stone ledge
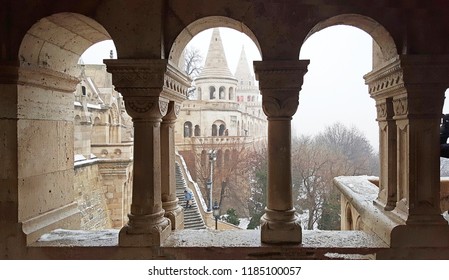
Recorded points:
(251,238)
(211,238)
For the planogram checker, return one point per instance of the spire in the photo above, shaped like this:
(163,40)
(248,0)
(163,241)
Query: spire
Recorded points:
(216,64)
(243,72)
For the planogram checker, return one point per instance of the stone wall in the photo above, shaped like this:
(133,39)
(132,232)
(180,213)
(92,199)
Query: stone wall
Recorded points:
(90,195)
(116,178)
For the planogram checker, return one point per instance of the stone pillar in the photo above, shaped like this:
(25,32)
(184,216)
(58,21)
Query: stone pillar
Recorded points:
(280,83)
(141,83)
(169,200)
(417,113)
(384,83)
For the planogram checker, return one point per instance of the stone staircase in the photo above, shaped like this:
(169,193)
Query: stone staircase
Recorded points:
(192,216)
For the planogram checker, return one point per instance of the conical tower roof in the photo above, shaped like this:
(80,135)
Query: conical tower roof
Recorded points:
(216,65)
(243,72)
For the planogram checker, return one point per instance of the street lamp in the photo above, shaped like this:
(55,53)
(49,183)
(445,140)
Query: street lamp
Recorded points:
(209,184)
(216,214)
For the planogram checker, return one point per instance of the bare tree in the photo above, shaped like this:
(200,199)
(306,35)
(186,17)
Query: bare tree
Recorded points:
(193,65)
(230,176)
(193,62)
(316,161)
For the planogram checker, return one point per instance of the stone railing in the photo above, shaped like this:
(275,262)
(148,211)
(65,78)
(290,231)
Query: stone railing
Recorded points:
(360,212)
(113,150)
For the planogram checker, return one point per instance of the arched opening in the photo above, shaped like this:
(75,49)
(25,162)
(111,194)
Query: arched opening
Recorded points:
(205,23)
(197,130)
(339,55)
(214,130)
(187,129)
(231,93)
(348,221)
(221,130)
(212,92)
(49,70)
(222,92)
(217,77)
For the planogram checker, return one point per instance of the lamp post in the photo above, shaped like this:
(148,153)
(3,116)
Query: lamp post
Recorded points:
(209,184)
(216,214)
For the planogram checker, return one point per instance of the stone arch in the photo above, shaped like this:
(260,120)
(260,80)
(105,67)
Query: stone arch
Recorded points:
(221,129)
(197,131)
(379,33)
(212,94)
(231,93)
(359,225)
(48,70)
(202,24)
(187,129)
(56,42)
(222,94)
(348,217)
(214,130)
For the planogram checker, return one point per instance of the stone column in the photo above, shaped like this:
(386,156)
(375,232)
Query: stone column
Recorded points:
(384,83)
(417,113)
(141,83)
(169,200)
(280,83)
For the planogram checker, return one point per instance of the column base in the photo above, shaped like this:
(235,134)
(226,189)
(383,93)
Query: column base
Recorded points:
(280,227)
(424,236)
(174,213)
(145,230)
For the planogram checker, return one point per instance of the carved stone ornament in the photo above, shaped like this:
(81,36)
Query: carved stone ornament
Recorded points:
(139,105)
(386,80)
(282,106)
(146,107)
(137,73)
(381,110)
(400,106)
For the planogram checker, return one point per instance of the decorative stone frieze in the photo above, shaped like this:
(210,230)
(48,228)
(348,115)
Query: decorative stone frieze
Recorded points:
(385,81)
(146,107)
(400,106)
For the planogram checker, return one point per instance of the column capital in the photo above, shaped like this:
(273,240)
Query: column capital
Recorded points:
(146,108)
(280,83)
(148,77)
(172,112)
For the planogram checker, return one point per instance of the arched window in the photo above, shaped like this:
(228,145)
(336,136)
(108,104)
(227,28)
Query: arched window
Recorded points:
(231,93)
(187,129)
(197,131)
(221,130)
(248,98)
(200,96)
(222,92)
(214,130)
(212,92)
